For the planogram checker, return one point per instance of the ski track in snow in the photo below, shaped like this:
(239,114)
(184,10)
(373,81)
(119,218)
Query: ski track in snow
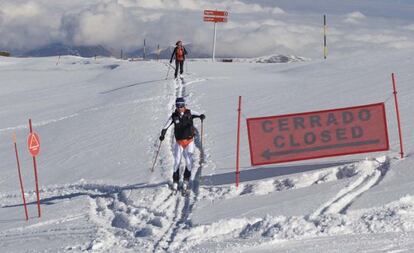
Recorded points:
(371,175)
(183,204)
(298,181)
(153,225)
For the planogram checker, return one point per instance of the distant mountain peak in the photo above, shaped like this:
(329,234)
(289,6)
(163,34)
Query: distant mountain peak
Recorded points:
(55,49)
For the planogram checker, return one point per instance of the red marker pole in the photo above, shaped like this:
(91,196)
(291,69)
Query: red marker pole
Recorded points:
(35,172)
(20,176)
(398,115)
(238,144)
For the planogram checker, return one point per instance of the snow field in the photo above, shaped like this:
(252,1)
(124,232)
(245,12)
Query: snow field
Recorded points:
(99,195)
(398,216)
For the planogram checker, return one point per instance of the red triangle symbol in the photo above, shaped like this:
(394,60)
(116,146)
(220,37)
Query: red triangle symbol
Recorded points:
(34,143)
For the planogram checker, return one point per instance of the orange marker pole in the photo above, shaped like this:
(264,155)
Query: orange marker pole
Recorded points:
(20,176)
(398,115)
(238,145)
(35,172)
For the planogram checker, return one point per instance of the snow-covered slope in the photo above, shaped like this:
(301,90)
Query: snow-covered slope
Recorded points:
(276,58)
(99,122)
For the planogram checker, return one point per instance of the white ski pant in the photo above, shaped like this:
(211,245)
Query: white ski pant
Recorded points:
(179,152)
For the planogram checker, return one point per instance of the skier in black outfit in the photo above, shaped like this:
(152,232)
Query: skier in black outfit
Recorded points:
(182,118)
(179,53)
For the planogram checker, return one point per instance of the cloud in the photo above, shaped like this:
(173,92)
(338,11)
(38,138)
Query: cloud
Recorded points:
(254,29)
(108,24)
(354,17)
(27,24)
(25,10)
(254,38)
(409,27)
(233,6)
(386,40)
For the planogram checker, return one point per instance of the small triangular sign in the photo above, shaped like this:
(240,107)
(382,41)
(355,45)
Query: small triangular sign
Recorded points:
(34,143)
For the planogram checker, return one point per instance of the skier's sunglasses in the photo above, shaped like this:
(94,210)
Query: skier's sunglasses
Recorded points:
(180,105)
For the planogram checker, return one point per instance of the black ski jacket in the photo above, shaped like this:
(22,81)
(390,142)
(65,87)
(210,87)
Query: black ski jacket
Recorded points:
(183,124)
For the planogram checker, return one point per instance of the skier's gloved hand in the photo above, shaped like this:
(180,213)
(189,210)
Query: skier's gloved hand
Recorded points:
(162,137)
(202,116)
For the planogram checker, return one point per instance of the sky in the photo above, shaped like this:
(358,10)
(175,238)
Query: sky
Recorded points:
(255,28)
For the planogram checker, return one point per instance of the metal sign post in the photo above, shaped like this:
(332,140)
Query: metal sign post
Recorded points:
(145,51)
(325,46)
(215,17)
(214,42)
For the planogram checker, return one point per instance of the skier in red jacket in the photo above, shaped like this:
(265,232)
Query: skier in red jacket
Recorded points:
(179,54)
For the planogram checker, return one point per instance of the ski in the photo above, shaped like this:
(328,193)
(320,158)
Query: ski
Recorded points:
(182,188)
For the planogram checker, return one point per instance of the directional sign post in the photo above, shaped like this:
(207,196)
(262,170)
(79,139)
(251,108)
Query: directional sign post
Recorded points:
(215,13)
(216,17)
(33,144)
(325,46)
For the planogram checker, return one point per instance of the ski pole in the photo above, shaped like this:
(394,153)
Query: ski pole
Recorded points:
(168,72)
(156,157)
(172,66)
(201,143)
(202,133)
(202,154)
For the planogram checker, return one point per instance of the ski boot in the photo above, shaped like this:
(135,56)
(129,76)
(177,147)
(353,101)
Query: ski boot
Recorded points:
(182,79)
(186,182)
(176,177)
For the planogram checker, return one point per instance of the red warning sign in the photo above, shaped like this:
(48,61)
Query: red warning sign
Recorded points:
(215,16)
(310,135)
(215,13)
(33,144)
(215,19)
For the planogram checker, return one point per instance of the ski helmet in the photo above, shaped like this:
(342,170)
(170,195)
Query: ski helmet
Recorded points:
(180,102)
